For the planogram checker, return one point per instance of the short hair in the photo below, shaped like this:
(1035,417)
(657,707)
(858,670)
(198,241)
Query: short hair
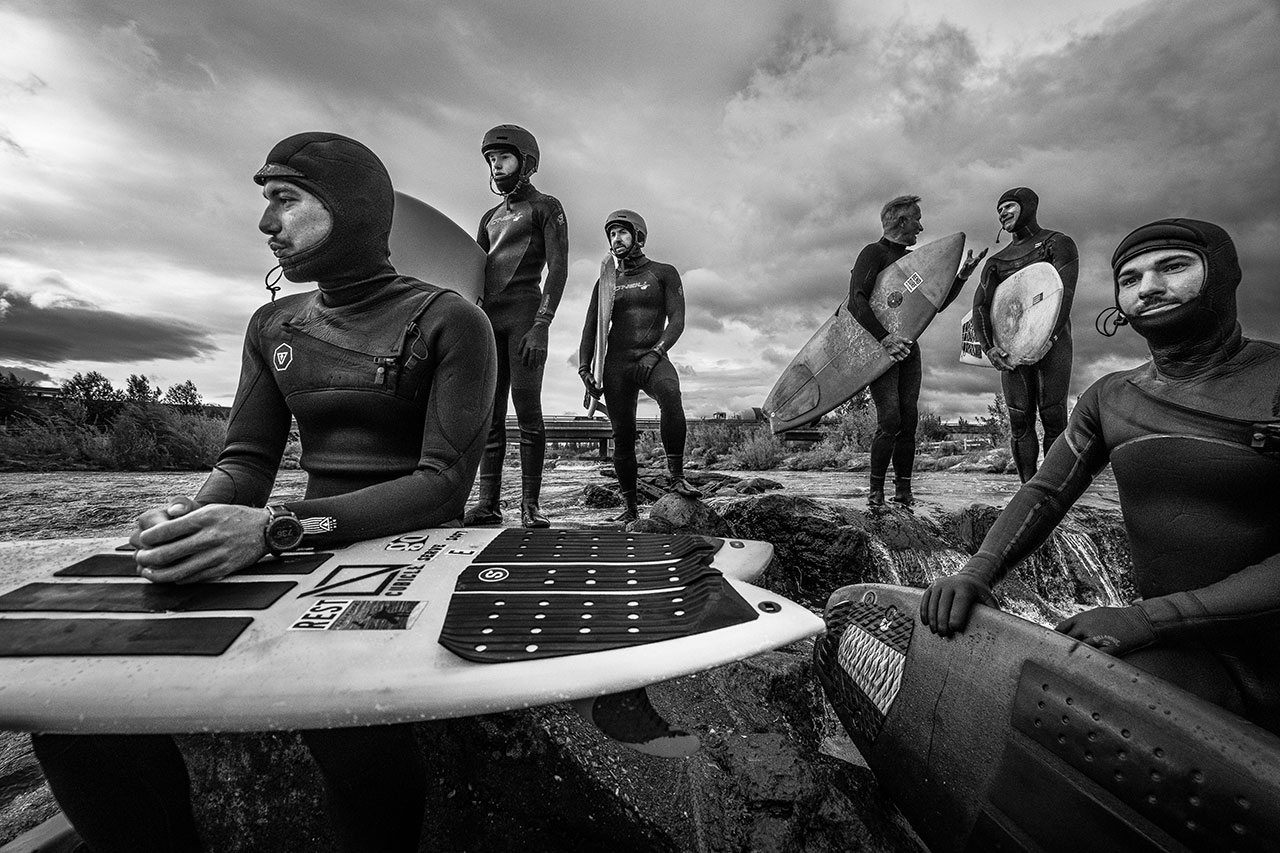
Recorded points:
(897,207)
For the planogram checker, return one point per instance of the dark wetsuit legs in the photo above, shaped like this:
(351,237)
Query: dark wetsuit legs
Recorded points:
(1038,387)
(621,393)
(376,785)
(896,395)
(132,794)
(524,386)
(122,793)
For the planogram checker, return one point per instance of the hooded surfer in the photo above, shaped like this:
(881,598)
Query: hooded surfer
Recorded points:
(1193,437)
(1041,385)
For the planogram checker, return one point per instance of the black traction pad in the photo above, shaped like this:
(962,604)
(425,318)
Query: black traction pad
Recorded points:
(101,637)
(144,597)
(123,566)
(859,663)
(602,546)
(1173,778)
(584,577)
(516,610)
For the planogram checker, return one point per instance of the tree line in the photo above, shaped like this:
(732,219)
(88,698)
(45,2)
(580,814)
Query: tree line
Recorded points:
(91,424)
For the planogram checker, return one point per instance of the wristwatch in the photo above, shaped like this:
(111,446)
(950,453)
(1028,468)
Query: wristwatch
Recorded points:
(283,531)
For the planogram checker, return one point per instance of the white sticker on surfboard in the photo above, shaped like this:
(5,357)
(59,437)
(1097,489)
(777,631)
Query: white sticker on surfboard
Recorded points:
(1024,312)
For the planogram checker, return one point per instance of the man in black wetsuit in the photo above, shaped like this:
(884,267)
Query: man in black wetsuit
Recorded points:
(524,233)
(390,381)
(1194,439)
(1041,385)
(635,317)
(897,392)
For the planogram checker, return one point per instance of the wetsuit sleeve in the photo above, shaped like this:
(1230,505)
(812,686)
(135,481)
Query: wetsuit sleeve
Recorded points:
(555,236)
(862,278)
(482,233)
(587,347)
(1066,260)
(956,287)
(982,296)
(1251,594)
(256,432)
(1069,467)
(453,436)
(673,295)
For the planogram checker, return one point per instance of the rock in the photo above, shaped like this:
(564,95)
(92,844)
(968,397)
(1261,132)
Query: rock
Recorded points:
(684,515)
(819,546)
(600,497)
(757,485)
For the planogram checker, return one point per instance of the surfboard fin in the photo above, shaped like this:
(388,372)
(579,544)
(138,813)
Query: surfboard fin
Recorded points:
(631,720)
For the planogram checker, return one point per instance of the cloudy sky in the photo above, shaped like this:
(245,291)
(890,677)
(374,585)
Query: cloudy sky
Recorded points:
(758,138)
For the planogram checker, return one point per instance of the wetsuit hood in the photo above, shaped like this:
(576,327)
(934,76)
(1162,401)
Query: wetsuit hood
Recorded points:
(355,188)
(1204,330)
(1029,203)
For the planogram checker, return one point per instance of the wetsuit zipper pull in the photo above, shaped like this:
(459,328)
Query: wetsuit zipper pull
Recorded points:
(380,378)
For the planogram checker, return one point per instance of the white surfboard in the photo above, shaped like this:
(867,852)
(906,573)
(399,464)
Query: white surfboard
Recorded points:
(439,623)
(1024,312)
(430,246)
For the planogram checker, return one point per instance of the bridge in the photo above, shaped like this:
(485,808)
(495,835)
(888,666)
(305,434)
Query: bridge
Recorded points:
(579,429)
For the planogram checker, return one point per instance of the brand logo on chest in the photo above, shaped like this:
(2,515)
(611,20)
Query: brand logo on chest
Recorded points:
(282,357)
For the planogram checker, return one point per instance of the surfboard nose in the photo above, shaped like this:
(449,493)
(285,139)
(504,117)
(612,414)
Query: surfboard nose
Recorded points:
(795,393)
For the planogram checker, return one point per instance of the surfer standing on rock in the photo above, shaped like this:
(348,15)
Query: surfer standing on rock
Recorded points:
(896,393)
(1193,437)
(636,315)
(390,443)
(523,234)
(1041,384)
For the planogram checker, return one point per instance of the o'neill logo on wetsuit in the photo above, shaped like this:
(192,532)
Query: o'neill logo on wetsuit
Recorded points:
(632,286)
(283,357)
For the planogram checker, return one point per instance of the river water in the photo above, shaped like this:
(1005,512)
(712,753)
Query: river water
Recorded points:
(53,505)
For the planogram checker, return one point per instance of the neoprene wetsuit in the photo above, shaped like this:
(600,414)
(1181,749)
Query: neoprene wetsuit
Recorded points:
(896,392)
(390,380)
(521,235)
(648,316)
(1042,386)
(1194,440)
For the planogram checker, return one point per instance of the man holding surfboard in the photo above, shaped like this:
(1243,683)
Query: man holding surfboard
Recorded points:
(1041,382)
(636,315)
(1193,437)
(390,381)
(896,392)
(522,235)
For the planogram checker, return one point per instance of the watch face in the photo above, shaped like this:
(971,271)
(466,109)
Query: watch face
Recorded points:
(284,533)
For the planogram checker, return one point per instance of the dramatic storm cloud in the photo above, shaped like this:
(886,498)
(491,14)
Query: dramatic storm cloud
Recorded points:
(758,139)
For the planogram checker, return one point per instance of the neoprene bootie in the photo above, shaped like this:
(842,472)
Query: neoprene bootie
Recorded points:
(531,516)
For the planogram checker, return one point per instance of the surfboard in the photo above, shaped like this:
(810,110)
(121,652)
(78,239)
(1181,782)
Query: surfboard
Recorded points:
(430,246)
(1011,736)
(842,357)
(433,624)
(1024,311)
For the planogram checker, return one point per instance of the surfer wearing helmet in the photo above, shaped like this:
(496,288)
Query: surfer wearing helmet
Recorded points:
(1040,386)
(390,381)
(1193,437)
(636,315)
(896,393)
(523,234)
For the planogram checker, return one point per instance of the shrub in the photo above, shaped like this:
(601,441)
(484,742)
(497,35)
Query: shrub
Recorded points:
(760,451)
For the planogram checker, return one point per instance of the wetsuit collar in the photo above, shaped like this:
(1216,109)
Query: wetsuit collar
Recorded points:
(1190,358)
(522,192)
(340,293)
(634,261)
